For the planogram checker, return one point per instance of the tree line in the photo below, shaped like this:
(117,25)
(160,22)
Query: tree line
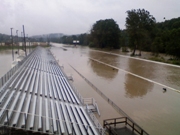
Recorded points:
(142,33)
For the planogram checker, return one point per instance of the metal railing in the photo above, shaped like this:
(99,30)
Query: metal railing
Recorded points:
(101,130)
(91,101)
(113,124)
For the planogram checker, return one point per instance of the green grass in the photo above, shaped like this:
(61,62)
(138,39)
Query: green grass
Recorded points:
(161,59)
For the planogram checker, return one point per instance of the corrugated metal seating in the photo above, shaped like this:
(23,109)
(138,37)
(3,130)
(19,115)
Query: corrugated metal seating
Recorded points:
(39,98)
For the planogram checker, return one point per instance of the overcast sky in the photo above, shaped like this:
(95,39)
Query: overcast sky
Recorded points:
(75,16)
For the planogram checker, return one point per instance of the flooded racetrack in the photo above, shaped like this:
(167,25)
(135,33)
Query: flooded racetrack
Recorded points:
(136,87)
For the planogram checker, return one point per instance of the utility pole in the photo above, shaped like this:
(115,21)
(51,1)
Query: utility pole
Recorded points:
(17,41)
(27,40)
(24,40)
(12,45)
(29,45)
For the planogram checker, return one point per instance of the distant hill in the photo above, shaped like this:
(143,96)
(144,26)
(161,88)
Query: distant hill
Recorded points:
(51,35)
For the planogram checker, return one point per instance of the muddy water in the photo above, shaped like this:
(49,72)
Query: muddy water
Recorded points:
(6,61)
(144,101)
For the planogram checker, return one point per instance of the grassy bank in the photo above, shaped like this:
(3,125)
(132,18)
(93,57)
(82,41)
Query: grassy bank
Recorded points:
(169,61)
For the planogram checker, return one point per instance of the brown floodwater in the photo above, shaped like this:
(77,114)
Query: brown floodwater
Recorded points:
(137,87)
(6,61)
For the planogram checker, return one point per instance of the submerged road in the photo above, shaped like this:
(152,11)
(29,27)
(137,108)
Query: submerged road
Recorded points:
(136,87)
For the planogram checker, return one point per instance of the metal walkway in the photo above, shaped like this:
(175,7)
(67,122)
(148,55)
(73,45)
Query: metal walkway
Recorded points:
(38,98)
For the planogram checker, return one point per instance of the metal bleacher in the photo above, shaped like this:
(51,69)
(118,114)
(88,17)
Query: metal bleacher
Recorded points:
(38,98)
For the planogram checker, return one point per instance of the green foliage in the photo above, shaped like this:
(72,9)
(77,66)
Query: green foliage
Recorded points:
(169,24)
(105,34)
(167,38)
(173,46)
(139,25)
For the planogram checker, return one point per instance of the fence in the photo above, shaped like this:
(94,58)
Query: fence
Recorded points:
(118,122)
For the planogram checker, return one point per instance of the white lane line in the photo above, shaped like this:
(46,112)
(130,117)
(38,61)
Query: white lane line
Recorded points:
(135,75)
(138,59)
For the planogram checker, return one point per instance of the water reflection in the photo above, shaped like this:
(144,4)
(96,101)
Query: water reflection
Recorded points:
(109,59)
(136,87)
(144,69)
(103,70)
(100,69)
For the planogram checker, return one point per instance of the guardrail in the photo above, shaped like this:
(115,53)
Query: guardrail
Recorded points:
(113,124)
(91,101)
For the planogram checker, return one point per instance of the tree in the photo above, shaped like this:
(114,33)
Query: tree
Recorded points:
(105,33)
(83,39)
(173,46)
(139,24)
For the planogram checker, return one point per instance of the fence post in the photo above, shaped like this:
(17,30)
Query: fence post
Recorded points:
(7,117)
(126,120)
(2,81)
(72,128)
(115,123)
(25,120)
(87,130)
(5,77)
(133,127)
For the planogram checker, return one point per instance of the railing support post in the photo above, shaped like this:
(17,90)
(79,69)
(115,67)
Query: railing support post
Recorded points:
(7,117)
(72,128)
(25,121)
(87,130)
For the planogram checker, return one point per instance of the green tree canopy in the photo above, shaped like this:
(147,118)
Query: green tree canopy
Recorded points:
(173,45)
(139,25)
(105,33)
